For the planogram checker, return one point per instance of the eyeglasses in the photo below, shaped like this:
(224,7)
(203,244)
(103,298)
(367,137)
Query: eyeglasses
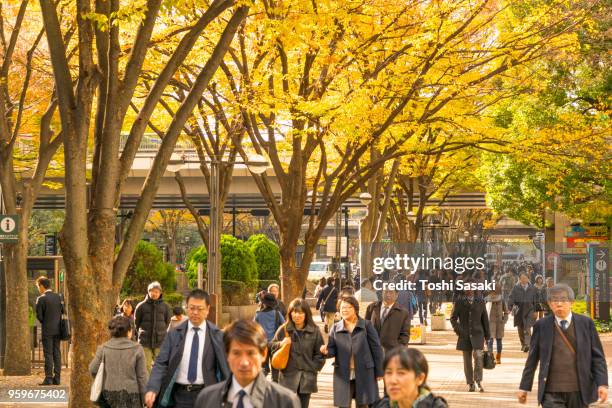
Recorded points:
(197,308)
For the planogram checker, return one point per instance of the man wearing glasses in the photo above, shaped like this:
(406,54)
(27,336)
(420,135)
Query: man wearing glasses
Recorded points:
(192,357)
(573,370)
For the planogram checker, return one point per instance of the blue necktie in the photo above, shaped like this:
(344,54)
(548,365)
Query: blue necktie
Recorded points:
(192,373)
(241,395)
(564,324)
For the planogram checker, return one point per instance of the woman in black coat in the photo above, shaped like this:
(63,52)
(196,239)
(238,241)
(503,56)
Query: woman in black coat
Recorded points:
(471,323)
(305,358)
(358,354)
(406,372)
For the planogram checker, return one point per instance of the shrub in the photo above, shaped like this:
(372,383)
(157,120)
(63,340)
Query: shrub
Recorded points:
(147,266)
(579,307)
(237,262)
(235,293)
(263,284)
(267,257)
(173,299)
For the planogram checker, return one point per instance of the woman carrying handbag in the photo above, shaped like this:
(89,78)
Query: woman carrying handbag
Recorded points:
(124,359)
(305,359)
(358,354)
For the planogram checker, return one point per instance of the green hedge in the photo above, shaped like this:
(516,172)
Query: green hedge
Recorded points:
(263,284)
(267,256)
(237,262)
(147,266)
(236,293)
(173,299)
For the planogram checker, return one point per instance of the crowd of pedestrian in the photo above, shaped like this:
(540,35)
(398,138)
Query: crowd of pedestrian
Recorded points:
(158,357)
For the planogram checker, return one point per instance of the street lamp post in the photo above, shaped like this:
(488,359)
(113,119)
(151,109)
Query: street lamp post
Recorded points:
(256,164)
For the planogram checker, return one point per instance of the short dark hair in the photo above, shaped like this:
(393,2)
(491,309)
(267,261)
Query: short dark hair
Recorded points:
(410,359)
(246,332)
(119,326)
(177,310)
(323,281)
(199,294)
(351,300)
(44,282)
(300,305)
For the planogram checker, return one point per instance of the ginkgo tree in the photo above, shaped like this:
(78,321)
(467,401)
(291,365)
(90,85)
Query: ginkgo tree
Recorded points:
(29,139)
(329,82)
(94,96)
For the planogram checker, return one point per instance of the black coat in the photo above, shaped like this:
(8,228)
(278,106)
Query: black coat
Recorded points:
(395,330)
(305,359)
(49,311)
(471,323)
(264,394)
(165,368)
(430,401)
(368,358)
(152,318)
(590,358)
(328,298)
(523,303)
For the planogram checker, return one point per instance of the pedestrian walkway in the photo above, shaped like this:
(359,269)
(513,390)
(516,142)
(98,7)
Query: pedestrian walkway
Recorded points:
(446,376)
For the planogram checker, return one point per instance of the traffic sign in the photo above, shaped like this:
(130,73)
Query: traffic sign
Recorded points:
(9,228)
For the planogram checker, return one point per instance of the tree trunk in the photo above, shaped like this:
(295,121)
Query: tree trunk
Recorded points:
(18,343)
(290,278)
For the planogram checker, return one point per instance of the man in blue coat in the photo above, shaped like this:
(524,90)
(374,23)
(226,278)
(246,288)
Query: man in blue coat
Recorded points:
(191,357)
(573,369)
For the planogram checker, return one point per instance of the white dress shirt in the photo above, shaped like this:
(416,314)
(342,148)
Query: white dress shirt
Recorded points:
(383,306)
(568,319)
(232,394)
(184,364)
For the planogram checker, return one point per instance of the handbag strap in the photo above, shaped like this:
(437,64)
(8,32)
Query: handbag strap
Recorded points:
(565,340)
(329,295)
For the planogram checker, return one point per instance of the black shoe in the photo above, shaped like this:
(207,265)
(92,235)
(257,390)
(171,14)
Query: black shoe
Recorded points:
(472,388)
(56,381)
(526,349)
(47,381)
(480,387)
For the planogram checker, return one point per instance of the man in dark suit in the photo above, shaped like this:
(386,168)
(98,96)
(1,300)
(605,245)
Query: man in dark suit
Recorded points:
(391,321)
(191,357)
(246,345)
(573,370)
(471,324)
(522,302)
(49,311)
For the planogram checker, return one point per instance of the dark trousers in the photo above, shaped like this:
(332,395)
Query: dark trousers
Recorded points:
(499,344)
(53,358)
(267,367)
(184,398)
(304,400)
(562,400)
(473,372)
(423,311)
(524,333)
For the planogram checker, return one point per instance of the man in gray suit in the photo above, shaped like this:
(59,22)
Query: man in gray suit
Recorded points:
(191,357)
(246,345)
(49,311)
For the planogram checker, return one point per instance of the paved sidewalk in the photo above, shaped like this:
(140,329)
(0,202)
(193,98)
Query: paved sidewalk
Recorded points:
(445,375)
